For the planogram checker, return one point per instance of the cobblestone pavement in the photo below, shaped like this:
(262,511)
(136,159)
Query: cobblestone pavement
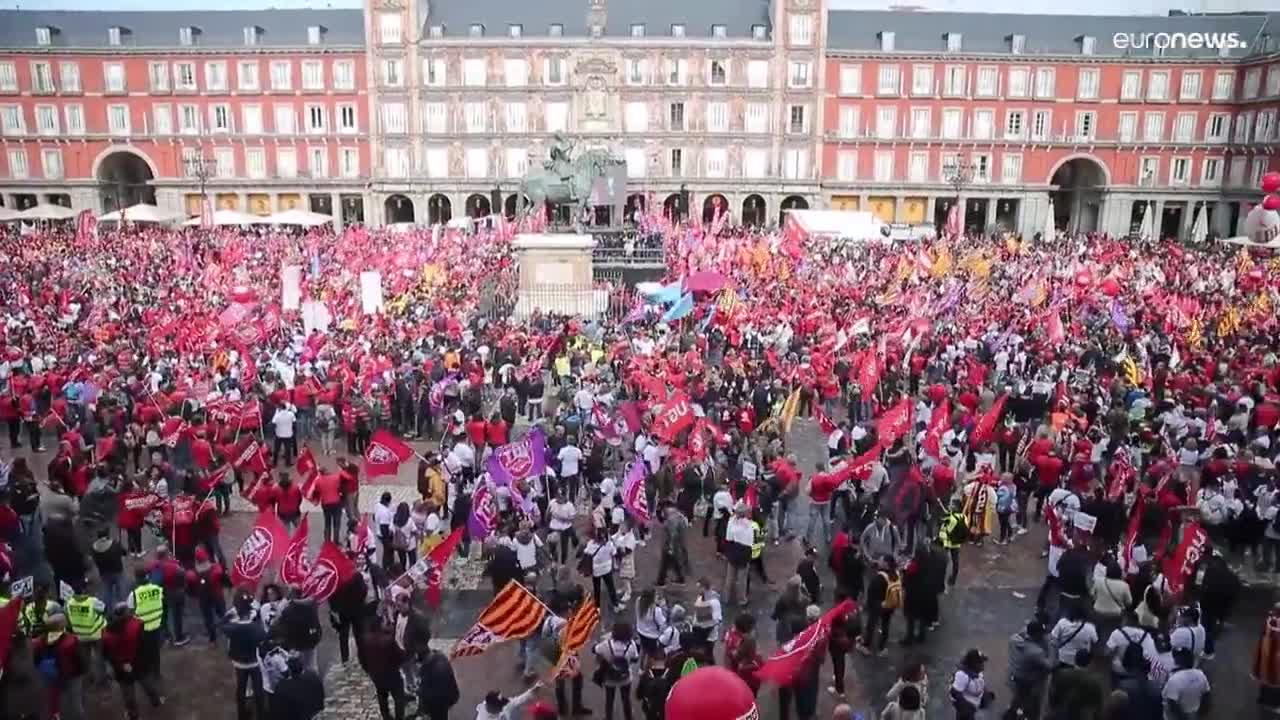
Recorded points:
(993,598)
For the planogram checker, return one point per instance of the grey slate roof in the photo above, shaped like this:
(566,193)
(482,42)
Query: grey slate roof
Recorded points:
(858,30)
(159,29)
(457,16)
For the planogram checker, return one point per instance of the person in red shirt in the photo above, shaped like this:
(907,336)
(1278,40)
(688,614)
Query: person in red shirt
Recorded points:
(288,502)
(943,477)
(1049,470)
(495,433)
(349,486)
(206,584)
(169,574)
(122,646)
(475,432)
(201,451)
(60,646)
(328,488)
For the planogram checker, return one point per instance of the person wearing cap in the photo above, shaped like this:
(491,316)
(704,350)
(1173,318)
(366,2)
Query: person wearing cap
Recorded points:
(122,645)
(86,619)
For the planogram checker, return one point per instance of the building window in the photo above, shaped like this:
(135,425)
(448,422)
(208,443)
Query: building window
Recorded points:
(477,162)
(517,117)
(1011,169)
(1180,171)
(473,72)
(637,30)
(798,119)
(515,30)
(18,164)
(1211,172)
(886,122)
(846,165)
(75,119)
(954,43)
(719,32)
(799,74)
(315,119)
(1273,81)
(1019,82)
(349,162)
(884,166)
(215,76)
(981,168)
(677,30)
(251,119)
(801,30)
(251,36)
(755,163)
(392,73)
(435,118)
(1158,86)
(44,36)
(1088,45)
(476,30)
(850,79)
(988,82)
(433,72)
(1190,89)
(476,116)
(158,74)
(887,42)
(284,119)
(757,118)
(344,75)
(1235,176)
(1184,128)
(286,162)
(46,120)
(637,117)
(1014,124)
(718,117)
(1087,87)
(918,167)
(1086,124)
(389,28)
(1262,129)
(847,122)
(1217,128)
(759,32)
(1224,84)
(1044,82)
(247,75)
(637,72)
(957,81)
(1128,127)
(1243,123)
(757,74)
(719,75)
(1153,127)
(312,75)
(1041,124)
(554,72)
(118,119)
(516,72)
(8,77)
(186,36)
(224,162)
(11,122)
(184,76)
(675,117)
(921,123)
(69,75)
(1131,85)
(952,123)
(347,123)
(394,118)
(922,80)
(676,162)
(113,77)
(1252,81)
(314,34)
(255,162)
(518,162)
(888,81)
(42,77)
(282,75)
(555,30)
(1017,44)
(555,117)
(188,119)
(435,31)
(219,118)
(984,124)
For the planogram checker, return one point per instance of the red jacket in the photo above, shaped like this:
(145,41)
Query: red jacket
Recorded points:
(288,499)
(475,431)
(495,433)
(208,585)
(121,644)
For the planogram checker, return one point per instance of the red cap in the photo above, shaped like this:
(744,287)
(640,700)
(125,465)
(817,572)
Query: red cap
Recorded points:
(202,555)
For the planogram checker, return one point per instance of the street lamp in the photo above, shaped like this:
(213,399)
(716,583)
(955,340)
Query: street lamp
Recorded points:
(958,175)
(201,168)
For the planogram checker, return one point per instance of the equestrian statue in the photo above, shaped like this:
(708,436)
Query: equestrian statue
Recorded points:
(565,179)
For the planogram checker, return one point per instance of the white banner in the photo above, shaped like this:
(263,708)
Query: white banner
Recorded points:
(291,287)
(371,292)
(315,316)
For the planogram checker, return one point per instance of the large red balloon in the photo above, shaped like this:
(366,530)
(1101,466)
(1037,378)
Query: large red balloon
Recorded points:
(1271,182)
(1271,202)
(711,693)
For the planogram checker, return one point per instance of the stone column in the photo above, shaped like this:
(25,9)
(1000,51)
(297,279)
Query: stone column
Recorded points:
(1222,219)
(930,208)
(335,205)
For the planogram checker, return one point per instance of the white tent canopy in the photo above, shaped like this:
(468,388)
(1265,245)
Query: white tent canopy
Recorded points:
(7,214)
(47,212)
(849,224)
(141,212)
(304,218)
(229,217)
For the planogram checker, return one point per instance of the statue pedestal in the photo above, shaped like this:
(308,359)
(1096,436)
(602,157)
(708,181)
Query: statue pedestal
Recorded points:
(556,276)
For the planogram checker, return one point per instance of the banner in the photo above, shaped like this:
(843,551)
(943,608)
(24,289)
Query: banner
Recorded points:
(371,292)
(291,287)
(938,423)
(385,454)
(515,613)
(251,455)
(484,512)
(987,423)
(520,459)
(785,664)
(315,317)
(331,570)
(1179,566)
(674,416)
(893,424)
(575,635)
(260,550)
(634,498)
(437,561)
(294,567)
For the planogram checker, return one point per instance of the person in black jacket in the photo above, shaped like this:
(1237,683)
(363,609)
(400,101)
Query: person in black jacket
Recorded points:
(347,616)
(299,695)
(654,686)
(381,660)
(503,567)
(919,603)
(437,686)
(299,625)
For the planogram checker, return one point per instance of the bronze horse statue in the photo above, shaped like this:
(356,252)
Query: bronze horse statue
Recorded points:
(564,180)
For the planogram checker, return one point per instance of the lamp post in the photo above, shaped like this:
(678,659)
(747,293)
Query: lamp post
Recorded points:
(201,168)
(958,175)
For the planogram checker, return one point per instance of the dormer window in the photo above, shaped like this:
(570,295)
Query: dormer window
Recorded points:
(476,30)
(759,32)
(114,36)
(515,31)
(436,31)
(1088,44)
(186,36)
(44,36)
(1017,44)
(887,41)
(251,35)
(637,30)
(954,43)
(555,30)
(315,34)
(597,31)
(677,30)
(719,31)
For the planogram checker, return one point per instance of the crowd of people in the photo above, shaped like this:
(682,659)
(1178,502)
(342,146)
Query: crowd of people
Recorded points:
(1124,394)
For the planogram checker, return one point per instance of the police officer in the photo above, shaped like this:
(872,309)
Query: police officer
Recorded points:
(759,538)
(951,534)
(37,612)
(85,616)
(147,602)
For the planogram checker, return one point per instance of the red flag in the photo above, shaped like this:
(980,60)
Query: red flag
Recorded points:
(294,567)
(264,546)
(1135,524)
(306,464)
(938,422)
(869,374)
(1179,566)
(171,432)
(630,412)
(257,490)
(676,415)
(308,488)
(786,663)
(894,423)
(1057,333)
(824,422)
(1121,472)
(9,615)
(211,481)
(250,417)
(987,423)
(361,543)
(384,454)
(438,560)
(331,570)
(251,455)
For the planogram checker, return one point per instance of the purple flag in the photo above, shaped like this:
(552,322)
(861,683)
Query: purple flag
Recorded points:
(637,313)
(633,494)
(436,396)
(520,459)
(1119,317)
(484,512)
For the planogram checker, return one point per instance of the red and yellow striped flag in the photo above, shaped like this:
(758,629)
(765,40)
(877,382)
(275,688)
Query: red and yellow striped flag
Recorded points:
(576,635)
(514,613)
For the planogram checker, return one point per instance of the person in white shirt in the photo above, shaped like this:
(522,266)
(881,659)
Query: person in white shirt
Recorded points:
(834,440)
(707,616)
(1189,634)
(1186,689)
(624,542)
(1072,634)
(283,421)
(651,620)
(464,455)
(562,513)
(721,508)
(600,554)
(1129,633)
(739,535)
(570,457)
(528,548)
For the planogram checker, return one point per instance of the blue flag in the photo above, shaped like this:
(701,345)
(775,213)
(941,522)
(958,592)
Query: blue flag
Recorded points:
(667,294)
(680,309)
(706,321)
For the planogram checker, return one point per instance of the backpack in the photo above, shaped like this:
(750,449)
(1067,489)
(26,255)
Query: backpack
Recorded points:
(1133,655)
(892,593)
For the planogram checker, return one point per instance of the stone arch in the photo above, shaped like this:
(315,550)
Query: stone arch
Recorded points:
(1101,166)
(124,176)
(114,149)
(398,208)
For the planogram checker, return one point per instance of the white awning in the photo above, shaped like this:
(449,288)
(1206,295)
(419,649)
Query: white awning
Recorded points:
(142,212)
(47,212)
(304,218)
(229,217)
(847,224)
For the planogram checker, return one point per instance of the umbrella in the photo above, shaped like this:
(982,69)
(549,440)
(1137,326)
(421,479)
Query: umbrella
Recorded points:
(229,217)
(1200,227)
(299,217)
(1145,230)
(45,211)
(705,281)
(1050,230)
(141,212)
(7,215)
